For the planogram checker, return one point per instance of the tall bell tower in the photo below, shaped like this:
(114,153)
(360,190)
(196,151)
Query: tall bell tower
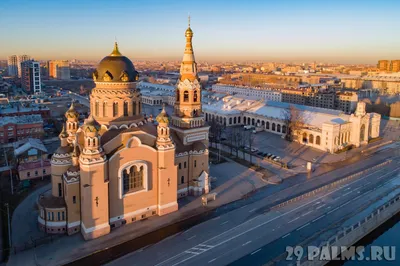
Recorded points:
(188,119)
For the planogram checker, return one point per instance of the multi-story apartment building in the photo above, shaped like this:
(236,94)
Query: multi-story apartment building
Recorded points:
(20,59)
(30,76)
(384,83)
(346,101)
(383,65)
(395,66)
(20,127)
(59,69)
(12,64)
(265,93)
(18,109)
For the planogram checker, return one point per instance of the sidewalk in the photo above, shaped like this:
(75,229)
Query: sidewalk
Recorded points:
(235,182)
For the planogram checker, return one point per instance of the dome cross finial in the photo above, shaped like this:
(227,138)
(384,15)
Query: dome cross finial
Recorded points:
(189,20)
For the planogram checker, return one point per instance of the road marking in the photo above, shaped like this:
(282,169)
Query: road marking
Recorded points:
(333,210)
(347,193)
(307,213)
(348,188)
(358,196)
(318,218)
(286,235)
(337,197)
(216,218)
(252,210)
(248,242)
(263,223)
(191,237)
(344,204)
(224,222)
(212,260)
(192,252)
(255,251)
(319,207)
(293,220)
(207,246)
(302,226)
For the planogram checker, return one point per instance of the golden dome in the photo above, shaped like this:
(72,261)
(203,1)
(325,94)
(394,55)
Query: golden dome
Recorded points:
(115,68)
(189,32)
(163,116)
(71,112)
(90,125)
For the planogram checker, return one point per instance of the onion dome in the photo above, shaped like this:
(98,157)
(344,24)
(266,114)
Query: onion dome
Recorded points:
(90,125)
(63,150)
(63,133)
(189,32)
(71,113)
(163,116)
(115,68)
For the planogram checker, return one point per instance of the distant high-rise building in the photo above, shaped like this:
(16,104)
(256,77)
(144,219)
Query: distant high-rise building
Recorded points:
(395,66)
(30,76)
(12,64)
(22,58)
(383,65)
(59,69)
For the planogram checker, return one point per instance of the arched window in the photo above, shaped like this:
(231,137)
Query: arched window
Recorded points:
(239,119)
(252,122)
(224,121)
(96,109)
(311,138)
(318,140)
(125,109)
(115,109)
(267,125)
(230,120)
(133,181)
(305,137)
(234,120)
(104,109)
(278,128)
(186,96)
(273,126)
(177,95)
(182,179)
(195,96)
(284,129)
(134,107)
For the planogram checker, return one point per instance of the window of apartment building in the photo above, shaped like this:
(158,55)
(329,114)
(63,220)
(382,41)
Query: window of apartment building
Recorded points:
(74,199)
(195,163)
(184,165)
(180,165)
(59,190)
(63,216)
(1,134)
(182,179)
(10,128)
(28,174)
(36,172)
(52,216)
(48,216)
(10,133)
(44,171)
(58,216)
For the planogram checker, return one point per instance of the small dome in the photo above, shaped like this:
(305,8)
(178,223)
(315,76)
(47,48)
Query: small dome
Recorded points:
(71,112)
(63,133)
(90,125)
(63,150)
(189,32)
(115,68)
(163,117)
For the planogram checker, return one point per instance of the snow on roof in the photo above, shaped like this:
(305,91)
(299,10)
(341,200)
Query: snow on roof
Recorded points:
(30,143)
(23,119)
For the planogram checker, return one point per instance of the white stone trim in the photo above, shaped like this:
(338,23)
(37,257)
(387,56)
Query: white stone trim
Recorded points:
(94,228)
(134,213)
(73,224)
(121,181)
(51,223)
(171,204)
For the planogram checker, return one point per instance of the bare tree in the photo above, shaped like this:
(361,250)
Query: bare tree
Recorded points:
(294,121)
(216,130)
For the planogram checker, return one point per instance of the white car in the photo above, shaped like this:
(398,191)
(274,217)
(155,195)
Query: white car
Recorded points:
(254,149)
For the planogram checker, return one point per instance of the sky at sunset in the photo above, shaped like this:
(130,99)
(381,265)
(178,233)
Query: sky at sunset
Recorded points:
(349,31)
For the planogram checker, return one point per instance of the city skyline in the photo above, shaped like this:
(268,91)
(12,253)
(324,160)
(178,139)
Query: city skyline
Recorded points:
(289,31)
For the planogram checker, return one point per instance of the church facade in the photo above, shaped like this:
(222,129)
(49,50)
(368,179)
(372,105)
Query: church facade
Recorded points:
(120,166)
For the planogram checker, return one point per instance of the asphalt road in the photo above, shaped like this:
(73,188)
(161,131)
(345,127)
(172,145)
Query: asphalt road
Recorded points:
(248,231)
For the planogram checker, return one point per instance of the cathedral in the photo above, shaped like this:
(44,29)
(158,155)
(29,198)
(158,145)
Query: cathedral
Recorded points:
(121,166)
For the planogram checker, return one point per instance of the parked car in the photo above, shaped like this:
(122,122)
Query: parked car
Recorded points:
(272,157)
(254,149)
(260,153)
(248,127)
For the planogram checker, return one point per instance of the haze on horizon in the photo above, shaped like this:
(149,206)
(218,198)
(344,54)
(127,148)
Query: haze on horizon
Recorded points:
(287,30)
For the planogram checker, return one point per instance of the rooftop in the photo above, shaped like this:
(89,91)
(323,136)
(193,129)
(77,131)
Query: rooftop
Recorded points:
(30,143)
(23,119)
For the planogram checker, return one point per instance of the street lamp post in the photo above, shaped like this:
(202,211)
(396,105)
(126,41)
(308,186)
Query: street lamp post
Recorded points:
(12,188)
(9,226)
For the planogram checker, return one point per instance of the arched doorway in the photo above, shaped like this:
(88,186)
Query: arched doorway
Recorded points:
(305,137)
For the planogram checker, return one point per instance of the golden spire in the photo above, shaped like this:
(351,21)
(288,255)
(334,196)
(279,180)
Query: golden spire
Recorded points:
(63,133)
(115,52)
